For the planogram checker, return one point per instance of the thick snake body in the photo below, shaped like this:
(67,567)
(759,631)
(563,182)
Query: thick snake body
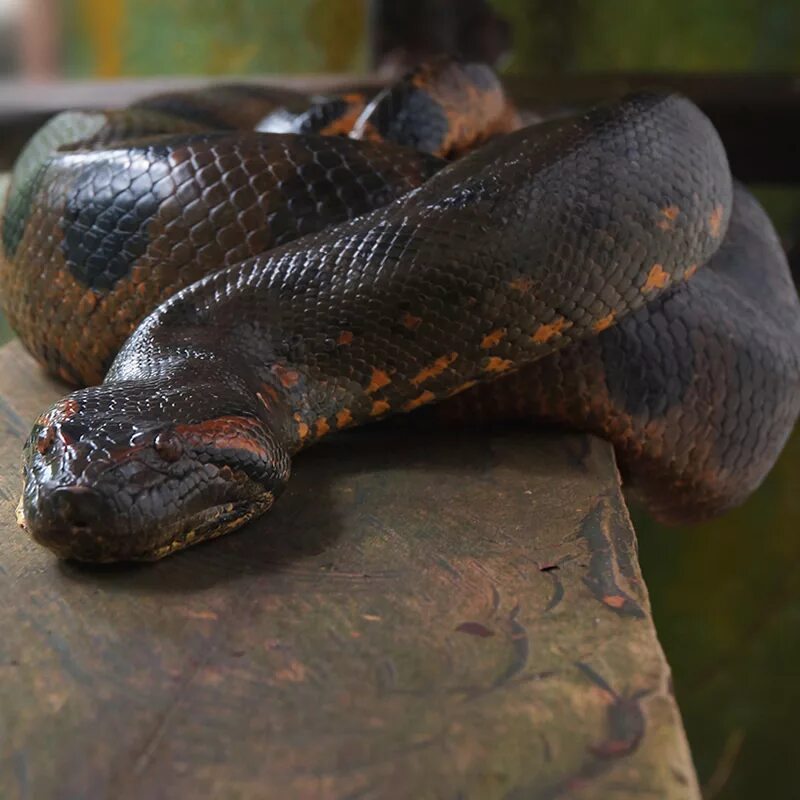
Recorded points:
(565,271)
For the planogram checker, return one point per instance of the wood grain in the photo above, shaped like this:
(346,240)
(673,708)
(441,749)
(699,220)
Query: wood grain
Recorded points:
(422,615)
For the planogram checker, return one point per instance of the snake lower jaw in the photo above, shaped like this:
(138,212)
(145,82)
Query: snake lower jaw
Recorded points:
(90,545)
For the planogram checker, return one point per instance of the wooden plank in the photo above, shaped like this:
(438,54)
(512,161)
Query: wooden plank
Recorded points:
(422,615)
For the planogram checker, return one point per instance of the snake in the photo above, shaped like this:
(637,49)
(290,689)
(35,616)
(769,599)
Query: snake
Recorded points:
(229,297)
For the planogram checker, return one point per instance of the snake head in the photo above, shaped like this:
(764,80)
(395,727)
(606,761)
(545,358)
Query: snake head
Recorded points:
(129,471)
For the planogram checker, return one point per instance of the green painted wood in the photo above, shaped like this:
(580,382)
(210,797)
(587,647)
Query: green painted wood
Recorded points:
(422,615)
(109,38)
(651,35)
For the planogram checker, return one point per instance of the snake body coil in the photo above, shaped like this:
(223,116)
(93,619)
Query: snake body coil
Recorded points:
(551,272)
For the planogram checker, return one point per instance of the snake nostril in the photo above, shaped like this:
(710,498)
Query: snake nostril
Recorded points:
(75,507)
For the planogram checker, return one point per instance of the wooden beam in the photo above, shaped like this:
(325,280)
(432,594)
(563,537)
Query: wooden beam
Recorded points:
(421,615)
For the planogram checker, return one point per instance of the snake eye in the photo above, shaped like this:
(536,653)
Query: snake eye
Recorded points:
(45,439)
(168,446)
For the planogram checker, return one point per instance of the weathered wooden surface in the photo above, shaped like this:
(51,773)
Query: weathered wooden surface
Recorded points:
(421,616)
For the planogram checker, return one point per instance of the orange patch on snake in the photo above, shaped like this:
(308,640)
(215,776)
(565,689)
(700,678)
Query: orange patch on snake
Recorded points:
(544,333)
(411,322)
(380,378)
(287,377)
(379,407)
(668,217)
(493,338)
(425,397)
(321,426)
(342,125)
(87,302)
(302,429)
(225,433)
(656,279)
(495,364)
(345,337)
(614,600)
(689,271)
(434,369)
(715,221)
(522,284)
(343,417)
(462,388)
(605,322)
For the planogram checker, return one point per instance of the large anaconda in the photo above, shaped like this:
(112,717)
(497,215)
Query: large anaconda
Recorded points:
(570,266)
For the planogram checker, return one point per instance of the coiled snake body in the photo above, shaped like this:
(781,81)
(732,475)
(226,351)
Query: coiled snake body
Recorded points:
(548,273)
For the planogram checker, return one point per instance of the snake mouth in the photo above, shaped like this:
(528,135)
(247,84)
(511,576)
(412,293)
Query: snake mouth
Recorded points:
(83,539)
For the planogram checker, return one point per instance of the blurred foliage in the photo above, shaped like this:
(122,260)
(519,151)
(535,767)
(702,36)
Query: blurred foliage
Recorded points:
(110,38)
(681,35)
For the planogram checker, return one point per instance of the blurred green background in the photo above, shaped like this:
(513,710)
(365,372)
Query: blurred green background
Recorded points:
(726,595)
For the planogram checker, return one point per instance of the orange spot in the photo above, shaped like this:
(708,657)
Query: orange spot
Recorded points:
(379,407)
(690,271)
(379,380)
(287,377)
(668,217)
(605,322)
(225,433)
(462,388)
(321,426)
(495,364)
(614,600)
(411,322)
(302,428)
(715,221)
(522,284)
(343,417)
(493,338)
(546,332)
(656,278)
(343,124)
(345,337)
(425,397)
(437,368)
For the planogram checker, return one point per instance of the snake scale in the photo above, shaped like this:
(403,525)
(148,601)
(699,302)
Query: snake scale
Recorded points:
(242,294)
